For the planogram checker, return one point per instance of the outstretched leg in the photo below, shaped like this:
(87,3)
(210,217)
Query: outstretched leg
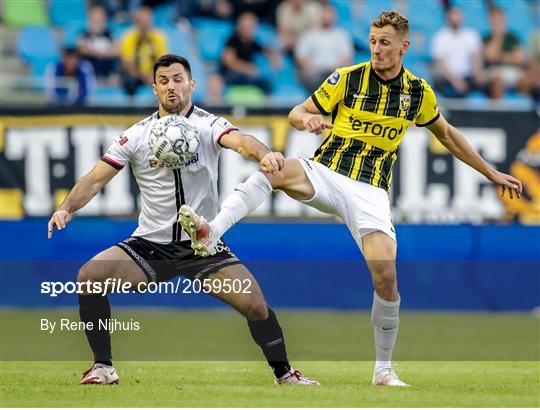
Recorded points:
(246,197)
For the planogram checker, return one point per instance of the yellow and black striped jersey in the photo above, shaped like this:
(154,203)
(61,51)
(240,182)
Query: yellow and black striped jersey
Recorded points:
(370,116)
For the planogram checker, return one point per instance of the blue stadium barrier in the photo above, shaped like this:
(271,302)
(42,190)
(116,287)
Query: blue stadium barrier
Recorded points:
(301,265)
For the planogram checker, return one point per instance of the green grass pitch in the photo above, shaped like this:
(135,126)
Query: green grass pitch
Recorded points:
(206,359)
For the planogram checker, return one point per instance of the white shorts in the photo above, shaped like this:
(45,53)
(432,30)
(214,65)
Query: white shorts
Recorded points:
(364,207)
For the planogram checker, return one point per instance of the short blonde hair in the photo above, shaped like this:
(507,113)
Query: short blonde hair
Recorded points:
(394,19)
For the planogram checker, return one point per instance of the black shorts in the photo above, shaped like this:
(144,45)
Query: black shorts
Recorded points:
(163,262)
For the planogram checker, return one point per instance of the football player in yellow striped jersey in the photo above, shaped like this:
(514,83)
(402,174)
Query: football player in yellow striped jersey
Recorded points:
(371,105)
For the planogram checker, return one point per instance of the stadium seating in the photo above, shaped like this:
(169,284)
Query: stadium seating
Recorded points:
(266,35)
(118,28)
(144,96)
(203,42)
(18,13)
(64,12)
(349,17)
(179,41)
(108,96)
(245,95)
(71,33)
(367,11)
(264,65)
(164,15)
(212,36)
(420,47)
(285,86)
(425,16)
(37,43)
(198,72)
(475,14)
(38,69)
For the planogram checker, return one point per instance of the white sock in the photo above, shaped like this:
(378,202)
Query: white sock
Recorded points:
(245,199)
(385,320)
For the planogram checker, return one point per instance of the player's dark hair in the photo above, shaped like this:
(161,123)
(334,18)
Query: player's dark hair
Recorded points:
(394,19)
(166,60)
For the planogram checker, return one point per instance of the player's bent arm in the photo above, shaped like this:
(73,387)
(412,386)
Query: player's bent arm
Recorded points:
(306,116)
(83,191)
(246,145)
(458,146)
(252,149)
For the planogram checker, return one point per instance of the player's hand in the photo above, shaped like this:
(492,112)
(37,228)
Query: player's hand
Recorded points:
(316,124)
(272,162)
(460,85)
(59,219)
(507,183)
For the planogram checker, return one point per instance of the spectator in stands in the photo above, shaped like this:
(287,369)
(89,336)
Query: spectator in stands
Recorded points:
(238,57)
(217,9)
(265,10)
(320,50)
(215,90)
(70,81)
(457,52)
(97,46)
(139,48)
(293,18)
(117,9)
(504,57)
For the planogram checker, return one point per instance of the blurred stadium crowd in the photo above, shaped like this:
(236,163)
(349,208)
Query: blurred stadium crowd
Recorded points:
(259,52)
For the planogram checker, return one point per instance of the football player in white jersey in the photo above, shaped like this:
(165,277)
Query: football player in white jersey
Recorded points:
(159,250)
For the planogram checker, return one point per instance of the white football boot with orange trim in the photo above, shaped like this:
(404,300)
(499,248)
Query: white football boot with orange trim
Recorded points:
(198,229)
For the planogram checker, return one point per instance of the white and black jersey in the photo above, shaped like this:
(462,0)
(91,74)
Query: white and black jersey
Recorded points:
(163,189)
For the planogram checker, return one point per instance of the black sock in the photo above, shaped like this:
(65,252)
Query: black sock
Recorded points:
(269,336)
(92,309)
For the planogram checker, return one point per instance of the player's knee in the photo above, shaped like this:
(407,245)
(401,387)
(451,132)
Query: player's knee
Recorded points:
(384,274)
(256,309)
(382,268)
(89,272)
(277,180)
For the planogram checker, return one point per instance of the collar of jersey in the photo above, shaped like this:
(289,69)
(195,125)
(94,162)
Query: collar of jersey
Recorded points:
(385,82)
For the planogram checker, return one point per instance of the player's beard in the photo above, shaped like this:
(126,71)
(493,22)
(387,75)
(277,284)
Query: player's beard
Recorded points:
(173,108)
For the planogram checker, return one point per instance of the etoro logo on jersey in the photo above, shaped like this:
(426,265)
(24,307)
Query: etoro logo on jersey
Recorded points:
(376,129)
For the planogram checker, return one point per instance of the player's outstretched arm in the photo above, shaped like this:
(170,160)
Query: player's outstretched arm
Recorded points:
(251,148)
(458,146)
(83,191)
(306,116)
